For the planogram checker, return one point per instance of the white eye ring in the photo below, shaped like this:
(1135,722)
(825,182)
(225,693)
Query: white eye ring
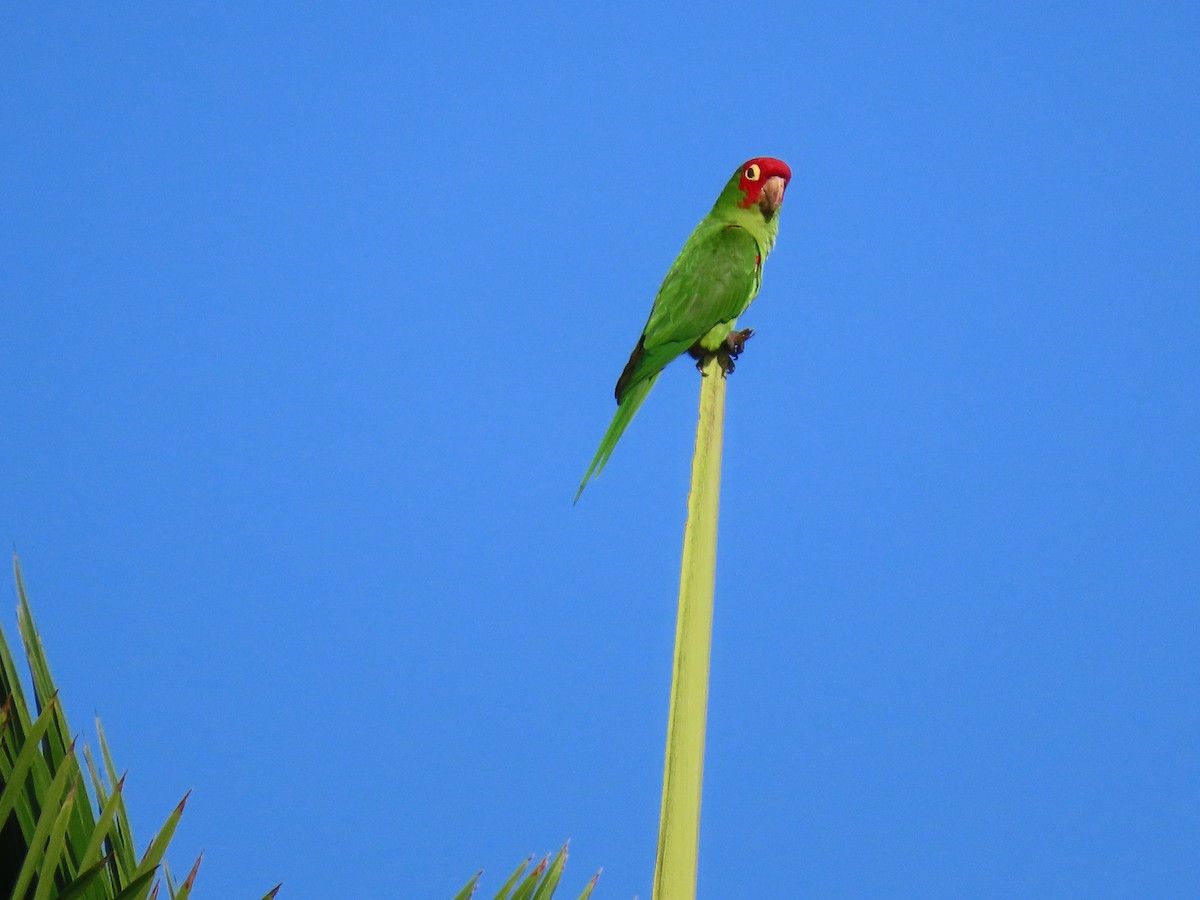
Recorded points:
(752,172)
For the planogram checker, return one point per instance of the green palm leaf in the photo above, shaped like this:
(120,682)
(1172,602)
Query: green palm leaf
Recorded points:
(57,844)
(539,884)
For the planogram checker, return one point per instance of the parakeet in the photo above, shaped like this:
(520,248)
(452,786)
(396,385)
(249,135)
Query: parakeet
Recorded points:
(710,284)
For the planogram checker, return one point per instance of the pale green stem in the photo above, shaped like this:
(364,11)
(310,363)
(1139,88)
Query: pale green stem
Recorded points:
(679,825)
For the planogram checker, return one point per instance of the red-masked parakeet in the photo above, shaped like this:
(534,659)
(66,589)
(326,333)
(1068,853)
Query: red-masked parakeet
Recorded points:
(708,286)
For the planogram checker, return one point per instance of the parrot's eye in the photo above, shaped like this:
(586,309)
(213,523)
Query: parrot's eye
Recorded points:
(752,172)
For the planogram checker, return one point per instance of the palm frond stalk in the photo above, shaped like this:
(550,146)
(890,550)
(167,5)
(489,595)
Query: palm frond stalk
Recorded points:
(683,772)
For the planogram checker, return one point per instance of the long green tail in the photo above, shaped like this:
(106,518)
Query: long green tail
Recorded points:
(620,421)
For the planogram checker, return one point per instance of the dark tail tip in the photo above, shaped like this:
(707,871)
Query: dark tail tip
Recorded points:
(627,375)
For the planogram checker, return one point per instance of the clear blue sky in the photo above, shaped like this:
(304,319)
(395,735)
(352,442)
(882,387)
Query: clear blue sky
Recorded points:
(311,318)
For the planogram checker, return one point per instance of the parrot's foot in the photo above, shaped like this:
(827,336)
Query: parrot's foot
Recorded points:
(725,360)
(733,347)
(735,341)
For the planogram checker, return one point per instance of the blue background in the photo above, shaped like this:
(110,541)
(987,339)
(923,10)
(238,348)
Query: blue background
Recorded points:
(311,317)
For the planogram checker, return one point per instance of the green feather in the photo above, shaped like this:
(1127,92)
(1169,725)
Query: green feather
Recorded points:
(620,421)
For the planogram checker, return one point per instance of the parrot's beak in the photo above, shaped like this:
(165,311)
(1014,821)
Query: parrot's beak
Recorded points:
(771,197)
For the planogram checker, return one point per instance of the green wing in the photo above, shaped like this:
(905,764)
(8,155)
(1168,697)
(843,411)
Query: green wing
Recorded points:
(712,282)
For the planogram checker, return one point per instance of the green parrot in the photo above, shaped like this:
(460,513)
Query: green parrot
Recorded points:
(710,284)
